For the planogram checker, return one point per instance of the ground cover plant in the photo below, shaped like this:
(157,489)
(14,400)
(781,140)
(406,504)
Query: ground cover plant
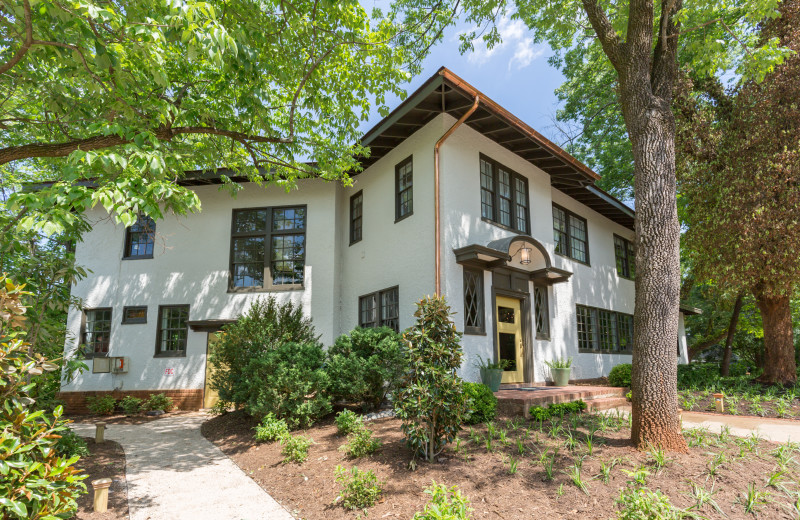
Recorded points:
(580,465)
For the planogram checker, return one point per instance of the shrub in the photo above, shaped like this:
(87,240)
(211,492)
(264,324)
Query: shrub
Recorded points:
(620,375)
(366,366)
(348,421)
(482,403)
(294,448)
(290,382)
(445,504)
(360,443)
(38,480)
(71,444)
(541,413)
(158,402)
(643,504)
(431,401)
(360,489)
(271,429)
(101,404)
(131,405)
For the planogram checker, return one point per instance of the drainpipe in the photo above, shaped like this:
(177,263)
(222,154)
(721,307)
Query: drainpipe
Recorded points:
(437,223)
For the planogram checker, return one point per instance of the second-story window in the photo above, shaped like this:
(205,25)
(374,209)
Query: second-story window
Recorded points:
(626,257)
(570,234)
(356,214)
(140,238)
(504,196)
(404,189)
(268,247)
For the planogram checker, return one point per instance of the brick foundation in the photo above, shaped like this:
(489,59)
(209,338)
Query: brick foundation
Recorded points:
(75,402)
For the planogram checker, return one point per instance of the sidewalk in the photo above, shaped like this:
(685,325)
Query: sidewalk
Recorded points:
(775,430)
(174,473)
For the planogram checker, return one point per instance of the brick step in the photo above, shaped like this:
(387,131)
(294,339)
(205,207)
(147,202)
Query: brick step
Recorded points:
(517,401)
(607,403)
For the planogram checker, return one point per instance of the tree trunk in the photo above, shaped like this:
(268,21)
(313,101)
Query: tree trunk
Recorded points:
(779,362)
(725,369)
(656,421)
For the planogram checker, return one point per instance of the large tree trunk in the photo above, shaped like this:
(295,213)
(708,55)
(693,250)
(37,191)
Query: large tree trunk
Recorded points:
(725,369)
(779,356)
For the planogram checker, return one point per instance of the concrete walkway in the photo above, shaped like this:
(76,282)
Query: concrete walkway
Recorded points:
(174,473)
(775,430)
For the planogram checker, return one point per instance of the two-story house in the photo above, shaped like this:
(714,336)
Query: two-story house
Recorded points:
(458,196)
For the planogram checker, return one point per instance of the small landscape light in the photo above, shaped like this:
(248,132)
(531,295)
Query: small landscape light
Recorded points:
(719,399)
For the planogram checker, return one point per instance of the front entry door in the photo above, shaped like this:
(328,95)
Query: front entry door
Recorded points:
(509,338)
(210,397)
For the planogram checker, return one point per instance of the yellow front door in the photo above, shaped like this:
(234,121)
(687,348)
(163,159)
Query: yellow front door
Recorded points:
(210,397)
(509,338)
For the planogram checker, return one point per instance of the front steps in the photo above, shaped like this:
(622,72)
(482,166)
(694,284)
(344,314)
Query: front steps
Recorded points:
(516,400)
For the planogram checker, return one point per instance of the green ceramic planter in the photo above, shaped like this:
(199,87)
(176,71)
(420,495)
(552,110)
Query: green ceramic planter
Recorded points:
(560,376)
(491,377)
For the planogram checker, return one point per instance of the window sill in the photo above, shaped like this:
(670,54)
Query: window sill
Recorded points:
(181,354)
(398,219)
(619,352)
(143,322)
(92,355)
(562,255)
(354,242)
(474,332)
(276,288)
(140,257)
(543,337)
(503,226)
(626,277)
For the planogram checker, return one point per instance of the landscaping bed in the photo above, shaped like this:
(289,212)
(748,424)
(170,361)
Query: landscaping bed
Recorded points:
(757,401)
(105,460)
(508,484)
(121,418)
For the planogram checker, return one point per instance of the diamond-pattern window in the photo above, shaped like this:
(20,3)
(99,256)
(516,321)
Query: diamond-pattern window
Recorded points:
(541,312)
(473,301)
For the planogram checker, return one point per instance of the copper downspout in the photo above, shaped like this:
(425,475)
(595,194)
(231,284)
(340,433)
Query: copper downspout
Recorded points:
(437,232)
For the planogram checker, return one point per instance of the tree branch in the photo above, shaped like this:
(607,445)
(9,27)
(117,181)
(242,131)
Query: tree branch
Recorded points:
(25,44)
(609,39)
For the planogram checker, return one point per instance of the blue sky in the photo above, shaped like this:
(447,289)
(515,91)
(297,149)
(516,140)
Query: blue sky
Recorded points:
(515,74)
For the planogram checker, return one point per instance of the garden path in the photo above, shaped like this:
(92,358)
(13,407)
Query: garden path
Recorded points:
(174,472)
(775,430)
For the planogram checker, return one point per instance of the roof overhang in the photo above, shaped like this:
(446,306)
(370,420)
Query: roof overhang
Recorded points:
(208,325)
(690,311)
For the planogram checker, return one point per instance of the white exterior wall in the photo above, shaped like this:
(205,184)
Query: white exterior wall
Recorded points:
(190,266)
(597,285)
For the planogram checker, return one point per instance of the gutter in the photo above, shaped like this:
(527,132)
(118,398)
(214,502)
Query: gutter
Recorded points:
(436,205)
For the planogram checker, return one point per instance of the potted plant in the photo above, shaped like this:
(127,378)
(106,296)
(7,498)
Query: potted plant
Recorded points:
(491,373)
(560,369)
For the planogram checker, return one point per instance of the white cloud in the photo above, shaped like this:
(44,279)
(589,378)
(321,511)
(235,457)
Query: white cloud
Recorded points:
(513,35)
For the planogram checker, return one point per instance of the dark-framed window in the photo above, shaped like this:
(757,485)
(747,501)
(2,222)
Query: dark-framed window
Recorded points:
(571,234)
(268,248)
(172,331)
(140,238)
(504,196)
(473,302)
(404,189)
(625,256)
(137,314)
(356,216)
(380,309)
(604,331)
(541,312)
(96,331)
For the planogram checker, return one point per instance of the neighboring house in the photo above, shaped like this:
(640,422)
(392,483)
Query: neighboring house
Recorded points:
(535,260)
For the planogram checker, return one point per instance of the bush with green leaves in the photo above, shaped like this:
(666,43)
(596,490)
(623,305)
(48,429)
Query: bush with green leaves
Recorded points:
(366,366)
(271,429)
(431,401)
(620,375)
(348,421)
(639,503)
(482,403)
(101,404)
(71,444)
(360,443)
(131,405)
(360,489)
(294,448)
(445,504)
(158,402)
(540,413)
(38,479)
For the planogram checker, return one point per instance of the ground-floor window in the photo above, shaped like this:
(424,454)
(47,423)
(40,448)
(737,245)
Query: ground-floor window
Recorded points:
(601,330)
(473,301)
(380,309)
(96,333)
(541,312)
(173,330)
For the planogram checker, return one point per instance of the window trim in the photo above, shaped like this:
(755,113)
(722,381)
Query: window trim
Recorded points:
(629,248)
(569,214)
(359,194)
(377,295)
(171,353)
(595,316)
(127,242)
(545,335)
(397,167)
(134,321)
(479,330)
(496,196)
(268,234)
(93,354)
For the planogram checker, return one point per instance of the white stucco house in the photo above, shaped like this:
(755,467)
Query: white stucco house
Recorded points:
(536,261)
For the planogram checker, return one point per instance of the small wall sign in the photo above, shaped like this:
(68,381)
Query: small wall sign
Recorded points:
(169,371)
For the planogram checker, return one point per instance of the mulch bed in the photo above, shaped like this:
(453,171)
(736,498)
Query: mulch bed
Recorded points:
(120,418)
(742,406)
(309,490)
(105,460)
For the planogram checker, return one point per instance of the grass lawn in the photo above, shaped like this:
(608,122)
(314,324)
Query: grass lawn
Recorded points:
(574,467)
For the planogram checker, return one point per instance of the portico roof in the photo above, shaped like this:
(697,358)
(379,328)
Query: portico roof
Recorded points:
(502,252)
